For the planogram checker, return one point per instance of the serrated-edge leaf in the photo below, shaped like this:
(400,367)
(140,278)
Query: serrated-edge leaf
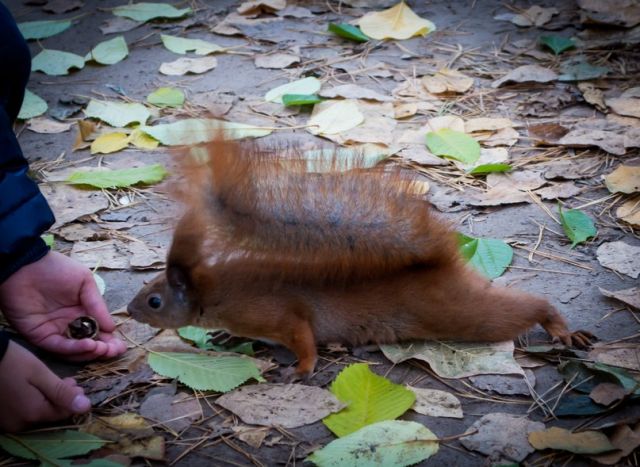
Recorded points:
(56,62)
(183,45)
(490,168)
(120,178)
(557,44)
(348,31)
(386,443)
(199,336)
(453,144)
(32,106)
(576,225)
(300,99)
(308,85)
(370,398)
(490,256)
(46,446)
(111,51)
(205,372)
(145,11)
(32,30)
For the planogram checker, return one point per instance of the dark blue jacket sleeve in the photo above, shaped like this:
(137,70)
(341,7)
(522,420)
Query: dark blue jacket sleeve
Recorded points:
(24,213)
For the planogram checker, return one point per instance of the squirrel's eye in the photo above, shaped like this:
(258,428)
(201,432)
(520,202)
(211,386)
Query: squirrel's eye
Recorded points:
(154,301)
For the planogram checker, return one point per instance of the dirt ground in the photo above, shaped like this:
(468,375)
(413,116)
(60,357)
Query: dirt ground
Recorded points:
(469,39)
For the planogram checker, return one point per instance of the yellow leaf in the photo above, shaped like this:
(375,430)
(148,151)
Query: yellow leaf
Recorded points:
(334,116)
(625,179)
(398,22)
(447,80)
(142,140)
(110,142)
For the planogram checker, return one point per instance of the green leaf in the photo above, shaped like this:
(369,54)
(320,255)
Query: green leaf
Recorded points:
(181,45)
(120,178)
(394,442)
(109,52)
(489,168)
(117,114)
(50,445)
(308,86)
(56,62)
(576,225)
(166,97)
(48,239)
(205,372)
(370,398)
(348,31)
(43,29)
(581,71)
(454,145)
(201,130)
(490,256)
(201,338)
(147,11)
(32,106)
(300,99)
(557,44)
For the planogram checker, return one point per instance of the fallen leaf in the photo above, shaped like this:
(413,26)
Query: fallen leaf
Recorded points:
(620,257)
(625,179)
(255,7)
(145,11)
(527,74)
(285,405)
(503,137)
(585,442)
(377,128)
(629,296)
(109,142)
(32,106)
(69,203)
(435,403)
(300,99)
(577,226)
(502,434)
(533,16)
(36,30)
(117,114)
(509,188)
(404,109)
(489,256)
(309,85)
(166,97)
(109,52)
(353,91)
(623,13)
(623,355)
(557,44)
(398,22)
(118,178)
(447,80)
(506,384)
(334,116)
(458,360)
(593,95)
(580,70)
(200,130)
(62,6)
(56,62)
(348,31)
(48,126)
(625,440)
(253,436)
(607,393)
(486,124)
(186,65)
(453,145)
(559,191)
(175,412)
(51,447)
(182,45)
(276,60)
(118,24)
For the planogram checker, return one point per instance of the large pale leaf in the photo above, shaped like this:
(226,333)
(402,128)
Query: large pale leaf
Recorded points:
(458,360)
(109,52)
(576,225)
(334,116)
(43,29)
(490,256)
(145,11)
(309,85)
(398,22)
(50,445)
(584,442)
(387,443)
(453,144)
(201,130)
(117,114)
(109,142)
(370,398)
(119,178)
(166,97)
(435,403)
(32,106)
(625,179)
(181,45)
(185,65)
(205,372)
(56,62)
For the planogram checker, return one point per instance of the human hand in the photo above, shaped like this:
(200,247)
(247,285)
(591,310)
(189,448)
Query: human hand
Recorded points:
(31,393)
(42,298)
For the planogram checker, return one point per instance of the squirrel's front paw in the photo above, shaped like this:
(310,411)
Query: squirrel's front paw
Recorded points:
(580,339)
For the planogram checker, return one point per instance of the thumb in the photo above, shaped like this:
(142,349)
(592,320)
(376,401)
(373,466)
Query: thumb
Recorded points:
(61,393)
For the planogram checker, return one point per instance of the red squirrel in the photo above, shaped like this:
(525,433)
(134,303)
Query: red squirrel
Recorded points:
(270,250)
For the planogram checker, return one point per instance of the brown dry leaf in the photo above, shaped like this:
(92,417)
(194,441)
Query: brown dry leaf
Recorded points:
(398,22)
(412,89)
(509,188)
(62,6)
(547,133)
(404,109)
(607,393)
(139,333)
(378,125)
(624,13)
(630,212)
(585,442)
(435,403)
(623,121)
(176,412)
(598,134)
(419,154)
(145,257)
(504,137)
(502,434)
(286,405)
(625,440)
(573,169)
(486,124)
(87,131)
(294,11)
(233,23)
(627,104)
(116,254)
(253,436)
(559,191)
(447,80)
(261,6)
(353,91)
(69,203)
(620,257)
(47,126)
(506,384)
(625,179)
(592,95)
(534,16)
(276,61)
(622,354)
(185,65)
(527,74)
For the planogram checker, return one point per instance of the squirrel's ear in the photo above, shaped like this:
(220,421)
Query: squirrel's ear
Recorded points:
(177,278)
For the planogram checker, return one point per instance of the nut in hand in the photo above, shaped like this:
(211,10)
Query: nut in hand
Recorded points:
(83,327)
